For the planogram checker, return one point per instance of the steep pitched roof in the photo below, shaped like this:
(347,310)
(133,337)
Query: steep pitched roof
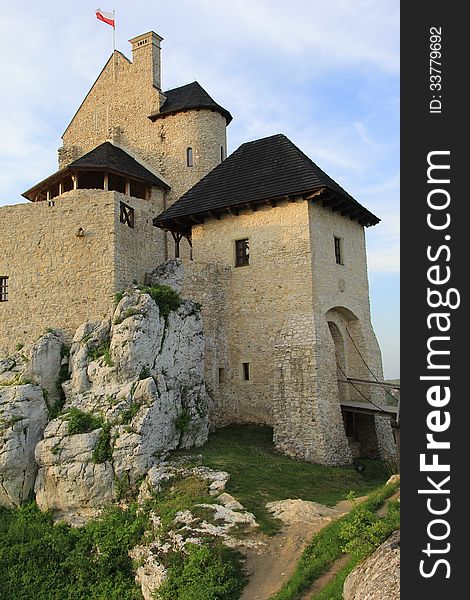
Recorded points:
(105,157)
(109,156)
(257,172)
(186,97)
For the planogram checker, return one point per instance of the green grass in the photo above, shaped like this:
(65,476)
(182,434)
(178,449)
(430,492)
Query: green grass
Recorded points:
(328,545)
(259,475)
(43,561)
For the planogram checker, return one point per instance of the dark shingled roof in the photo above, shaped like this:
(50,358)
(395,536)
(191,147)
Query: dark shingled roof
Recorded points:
(186,97)
(109,156)
(257,172)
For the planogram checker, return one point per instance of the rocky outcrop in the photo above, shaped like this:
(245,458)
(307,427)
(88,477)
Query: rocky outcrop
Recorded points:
(378,577)
(169,273)
(136,391)
(28,382)
(222,520)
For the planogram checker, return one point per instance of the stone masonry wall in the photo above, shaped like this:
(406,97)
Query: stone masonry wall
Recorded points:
(138,250)
(56,279)
(275,286)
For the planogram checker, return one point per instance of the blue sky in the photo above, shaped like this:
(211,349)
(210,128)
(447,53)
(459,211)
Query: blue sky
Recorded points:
(323,72)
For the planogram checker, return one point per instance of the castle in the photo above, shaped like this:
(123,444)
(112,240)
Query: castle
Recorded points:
(273,249)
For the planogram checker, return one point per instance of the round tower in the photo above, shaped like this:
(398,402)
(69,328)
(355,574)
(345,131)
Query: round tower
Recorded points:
(191,127)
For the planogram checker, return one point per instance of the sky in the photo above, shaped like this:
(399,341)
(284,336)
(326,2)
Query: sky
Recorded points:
(323,72)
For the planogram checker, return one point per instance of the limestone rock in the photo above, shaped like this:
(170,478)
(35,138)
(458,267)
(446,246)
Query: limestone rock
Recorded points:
(169,273)
(378,577)
(301,511)
(44,364)
(23,417)
(142,378)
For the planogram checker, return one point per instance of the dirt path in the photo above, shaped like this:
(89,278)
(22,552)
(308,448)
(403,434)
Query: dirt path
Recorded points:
(324,579)
(270,566)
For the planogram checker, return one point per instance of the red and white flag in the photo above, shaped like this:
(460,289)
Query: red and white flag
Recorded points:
(106,17)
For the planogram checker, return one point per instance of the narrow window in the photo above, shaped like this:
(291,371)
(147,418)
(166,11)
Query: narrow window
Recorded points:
(246,371)
(126,215)
(221,375)
(242,253)
(222,153)
(338,250)
(189,157)
(3,289)
(349,420)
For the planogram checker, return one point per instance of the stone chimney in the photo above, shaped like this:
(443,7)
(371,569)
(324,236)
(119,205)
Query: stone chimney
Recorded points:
(146,56)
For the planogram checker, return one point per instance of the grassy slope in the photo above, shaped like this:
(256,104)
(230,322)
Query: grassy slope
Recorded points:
(259,475)
(327,546)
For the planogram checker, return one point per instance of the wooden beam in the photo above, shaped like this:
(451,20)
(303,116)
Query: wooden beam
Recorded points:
(251,206)
(272,203)
(233,211)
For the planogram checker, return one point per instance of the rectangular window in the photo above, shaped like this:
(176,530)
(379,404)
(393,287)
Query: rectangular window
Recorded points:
(246,371)
(221,375)
(339,250)
(126,215)
(3,289)
(242,253)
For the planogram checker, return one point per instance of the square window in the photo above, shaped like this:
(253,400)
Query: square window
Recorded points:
(339,250)
(242,253)
(3,289)
(126,215)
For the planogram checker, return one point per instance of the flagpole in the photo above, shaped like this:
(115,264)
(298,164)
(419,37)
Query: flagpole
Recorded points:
(114,45)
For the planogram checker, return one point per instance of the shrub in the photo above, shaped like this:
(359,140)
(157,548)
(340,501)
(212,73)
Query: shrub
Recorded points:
(129,413)
(102,351)
(130,312)
(103,450)
(82,422)
(183,420)
(206,573)
(166,298)
(44,561)
(144,373)
(366,531)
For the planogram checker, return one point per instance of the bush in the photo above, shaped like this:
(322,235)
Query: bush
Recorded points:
(102,351)
(366,530)
(166,298)
(129,413)
(44,561)
(206,573)
(82,422)
(103,450)
(183,421)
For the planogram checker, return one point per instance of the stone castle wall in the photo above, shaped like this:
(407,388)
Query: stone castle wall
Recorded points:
(137,250)
(58,279)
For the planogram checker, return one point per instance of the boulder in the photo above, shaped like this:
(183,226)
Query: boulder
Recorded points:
(378,577)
